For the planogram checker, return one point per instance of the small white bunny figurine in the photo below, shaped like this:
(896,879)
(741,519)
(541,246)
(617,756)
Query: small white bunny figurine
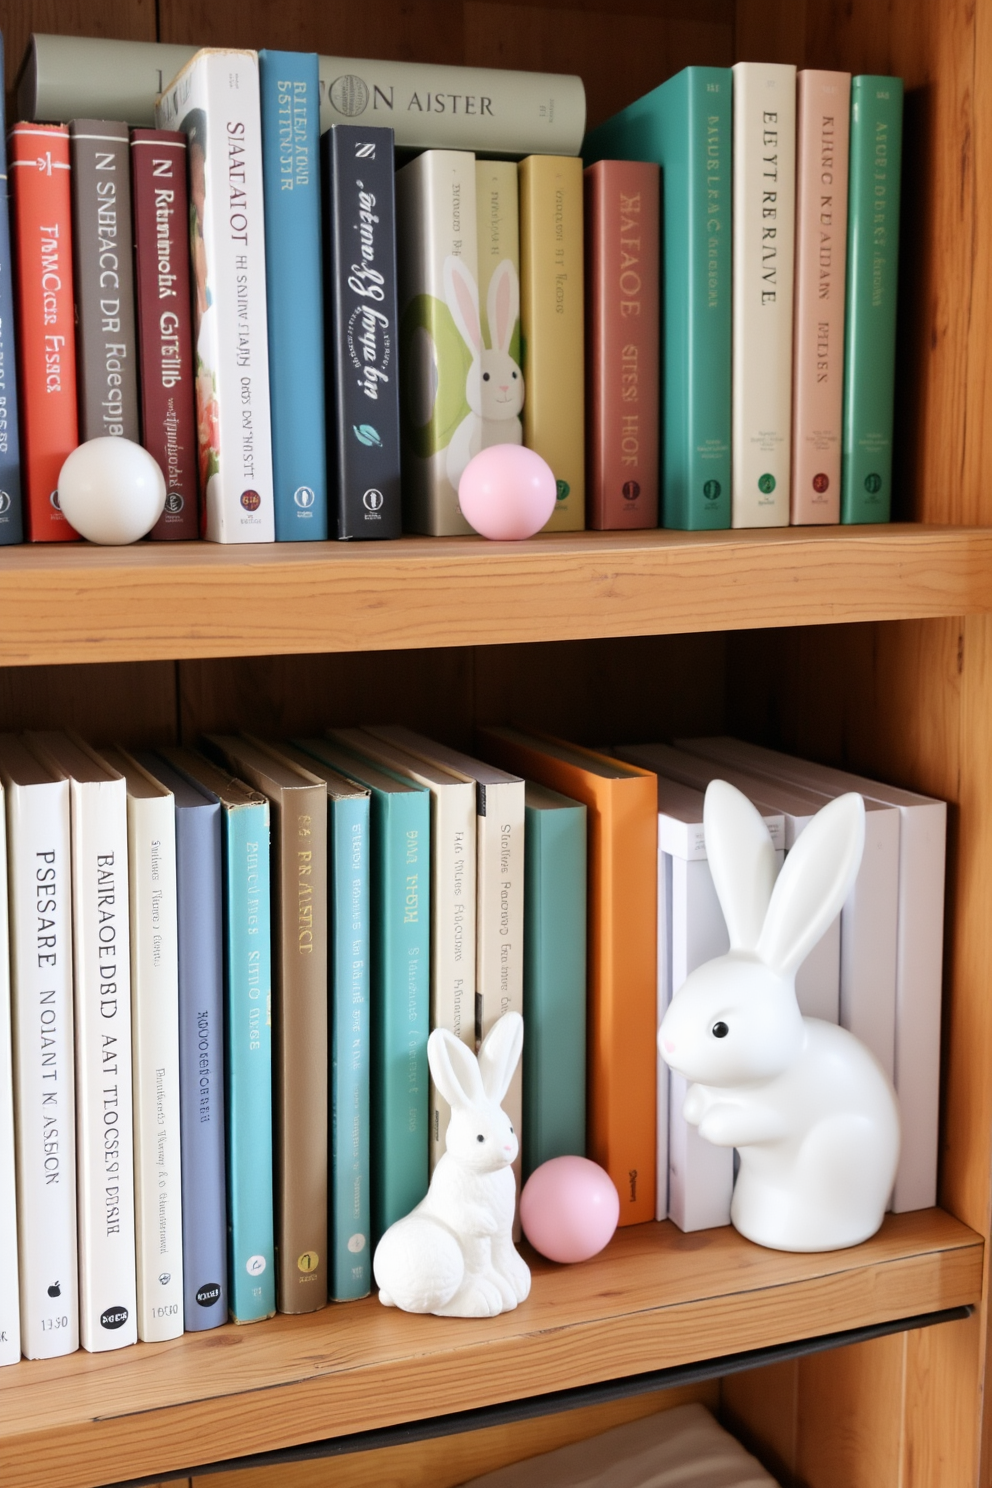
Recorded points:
(454,1255)
(812,1113)
(494,387)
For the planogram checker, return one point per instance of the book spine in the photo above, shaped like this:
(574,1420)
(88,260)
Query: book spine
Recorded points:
(248,998)
(552,319)
(453,933)
(11,514)
(199,884)
(622,331)
(290,106)
(363,410)
(215,104)
(46,346)
(351,1199)
(664,997)
(72,77)
(440,374)
(165,338)
(10,1320)
(764,262)
(102,238)
(151,829)
(872,287)
(822,137)
(497,210)
(41,967)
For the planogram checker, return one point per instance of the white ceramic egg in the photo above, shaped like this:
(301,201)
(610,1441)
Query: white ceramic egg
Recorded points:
(111,490)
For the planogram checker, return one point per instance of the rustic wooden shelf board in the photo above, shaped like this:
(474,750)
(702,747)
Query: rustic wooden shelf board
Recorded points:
(655,1298)
(154,601)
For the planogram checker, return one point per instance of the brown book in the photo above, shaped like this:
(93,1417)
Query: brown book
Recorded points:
(298,805)
(106,346)
(622,334)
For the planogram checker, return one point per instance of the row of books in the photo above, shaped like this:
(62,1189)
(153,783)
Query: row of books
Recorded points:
(224,966)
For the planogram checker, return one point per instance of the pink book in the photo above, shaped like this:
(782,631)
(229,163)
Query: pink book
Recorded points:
(823,129)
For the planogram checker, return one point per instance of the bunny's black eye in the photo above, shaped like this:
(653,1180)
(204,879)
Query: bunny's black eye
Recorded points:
(514,376)
(511,1131)
(720,1030)
(480,1138)
(485,376)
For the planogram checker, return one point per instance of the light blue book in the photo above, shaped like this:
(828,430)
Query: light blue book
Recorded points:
(248,1035)
(290,99)
(401,942)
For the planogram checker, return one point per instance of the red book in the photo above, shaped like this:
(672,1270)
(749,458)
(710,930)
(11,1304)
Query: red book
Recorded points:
(160,200)
(46,344)
(622,337)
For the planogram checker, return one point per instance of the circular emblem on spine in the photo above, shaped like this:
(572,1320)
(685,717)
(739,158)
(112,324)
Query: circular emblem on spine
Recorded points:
(174,503)
(711,490)
(631,490)
(304,497)
(165,1277)
(766,484)
(308,1261)
(255,1265)
(114,1317)
(562,488)
(4,503)
(356,1244)
(54,501)
(250,500)
(209,1294)
(349,95)
(873,484)
(373,500)
(821,483)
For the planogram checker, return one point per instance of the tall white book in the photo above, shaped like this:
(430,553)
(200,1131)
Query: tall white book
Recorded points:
(763,272)
(10,1316)
(158,1199)
(44,1078)
(101,958)
(215,102)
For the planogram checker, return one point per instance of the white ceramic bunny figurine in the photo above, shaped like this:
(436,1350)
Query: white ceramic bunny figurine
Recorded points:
(812,1113)
(494,387)
(454,1255)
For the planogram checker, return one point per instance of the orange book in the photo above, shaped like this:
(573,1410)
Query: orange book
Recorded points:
(46,332)
(622,801)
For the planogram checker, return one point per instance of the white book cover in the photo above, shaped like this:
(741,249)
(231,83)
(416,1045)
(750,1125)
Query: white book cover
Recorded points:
(101,958)
(44,1078)
(453,907)
(215,102)
(763,270)
(158,1215)
(10,1319)
(440,330)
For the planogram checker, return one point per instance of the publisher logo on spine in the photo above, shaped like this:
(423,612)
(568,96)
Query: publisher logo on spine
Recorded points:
(250,500)
(349,95)
(304,497)
(255,1265)
(174,503)
(208,1294)
(308,1261)
(821,483)
(365,434)
(766,484)
(373,500)
(873,484)
(4,503)
(711,490)
(54,501)
(562,488)
(114,1317)
(356,1244)
(631,490)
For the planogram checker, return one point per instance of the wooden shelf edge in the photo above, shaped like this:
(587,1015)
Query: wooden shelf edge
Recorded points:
(74,603)
(654,1299)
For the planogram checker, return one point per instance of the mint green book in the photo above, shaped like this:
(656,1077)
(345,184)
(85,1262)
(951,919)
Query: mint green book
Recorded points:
(872,288)
(686,127)
(554,977)
(400,879)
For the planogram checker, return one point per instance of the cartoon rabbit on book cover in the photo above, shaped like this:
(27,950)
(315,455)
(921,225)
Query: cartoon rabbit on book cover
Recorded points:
(494,388)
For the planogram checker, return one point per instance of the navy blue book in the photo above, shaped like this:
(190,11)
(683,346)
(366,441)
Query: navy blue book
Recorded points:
(11,520)
(199,892)
(290,100)
(363,406)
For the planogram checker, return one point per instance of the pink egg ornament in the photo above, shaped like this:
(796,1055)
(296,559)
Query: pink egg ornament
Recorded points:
(507,492)
(569,1209)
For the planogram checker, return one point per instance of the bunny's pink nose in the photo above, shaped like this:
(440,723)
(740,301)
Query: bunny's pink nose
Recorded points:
(669,1046)
(507,1147)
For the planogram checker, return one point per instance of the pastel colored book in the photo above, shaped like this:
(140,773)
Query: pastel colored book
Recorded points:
(622,826)
(10,1312)
(764,265)
(822,137)
(214,101)
(497,210)
(289,90)
(552,327)
(622,331)
(686,127)
(11,513)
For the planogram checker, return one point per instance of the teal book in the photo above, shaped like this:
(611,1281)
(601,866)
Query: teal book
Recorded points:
(872,288)
(248,1035)
(554,977)
(686,127)
(401,943)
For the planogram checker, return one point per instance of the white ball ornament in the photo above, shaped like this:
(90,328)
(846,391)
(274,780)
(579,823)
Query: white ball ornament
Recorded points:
(111,490)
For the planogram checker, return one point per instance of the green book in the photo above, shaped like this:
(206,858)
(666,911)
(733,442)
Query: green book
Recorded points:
(872,286)
(686,127)
(554,977)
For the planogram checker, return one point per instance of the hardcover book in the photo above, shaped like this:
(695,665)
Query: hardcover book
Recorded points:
(160,199)
(102,234)
(290,146)
(685,126)
(623,258)
(215,102)
(10,1312)
(46,345)
(11,514)
(497,207)
(362,347)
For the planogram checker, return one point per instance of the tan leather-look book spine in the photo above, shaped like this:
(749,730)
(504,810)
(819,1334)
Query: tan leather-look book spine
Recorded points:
(298,806)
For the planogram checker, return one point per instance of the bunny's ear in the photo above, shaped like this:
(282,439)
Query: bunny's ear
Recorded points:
(455,1070)
(503,305)
(742,862)
(499,1054)
(814,883)
(462,295)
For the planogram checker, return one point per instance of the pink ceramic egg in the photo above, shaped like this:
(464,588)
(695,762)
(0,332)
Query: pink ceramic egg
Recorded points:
(569,1209)
(507,492)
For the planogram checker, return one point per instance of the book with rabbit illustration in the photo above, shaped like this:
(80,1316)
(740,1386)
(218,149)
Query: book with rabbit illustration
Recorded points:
(497,203)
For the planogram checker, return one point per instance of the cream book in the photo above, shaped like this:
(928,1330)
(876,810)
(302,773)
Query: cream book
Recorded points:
(764,259)
(10,1319)
(822,137)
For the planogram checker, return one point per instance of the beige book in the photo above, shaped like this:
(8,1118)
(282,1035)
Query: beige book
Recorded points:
(497,215)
